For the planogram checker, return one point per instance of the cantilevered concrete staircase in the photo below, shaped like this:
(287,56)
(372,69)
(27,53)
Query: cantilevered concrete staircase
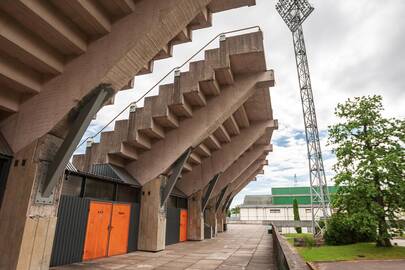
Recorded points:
(204,108)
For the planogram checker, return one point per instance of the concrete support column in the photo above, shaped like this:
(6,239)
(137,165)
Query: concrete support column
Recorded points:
(152,225)
(224,222)
(195,230)
(220,221)
(211,218)
(27,227)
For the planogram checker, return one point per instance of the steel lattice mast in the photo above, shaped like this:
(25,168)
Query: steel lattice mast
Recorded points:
(294,13)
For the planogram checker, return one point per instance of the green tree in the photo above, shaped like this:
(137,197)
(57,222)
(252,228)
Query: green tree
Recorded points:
(296,214)
(370,164)
(235,210)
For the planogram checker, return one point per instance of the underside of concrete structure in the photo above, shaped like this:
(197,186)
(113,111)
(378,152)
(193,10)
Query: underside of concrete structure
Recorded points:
(218,113)
(206,135)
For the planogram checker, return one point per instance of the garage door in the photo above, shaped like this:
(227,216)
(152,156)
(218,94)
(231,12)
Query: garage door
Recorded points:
(119,229)
(97,231)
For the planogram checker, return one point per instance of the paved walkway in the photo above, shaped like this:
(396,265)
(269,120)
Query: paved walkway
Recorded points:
(363,265)
(241,247)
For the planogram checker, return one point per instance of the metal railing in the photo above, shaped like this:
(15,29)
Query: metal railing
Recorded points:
(223,34)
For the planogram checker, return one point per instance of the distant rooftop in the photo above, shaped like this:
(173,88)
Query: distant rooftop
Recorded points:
(257,200)
(296,190)
(283,196)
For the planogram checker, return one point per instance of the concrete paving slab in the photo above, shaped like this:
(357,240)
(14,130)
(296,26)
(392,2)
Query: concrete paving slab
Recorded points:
(241,247)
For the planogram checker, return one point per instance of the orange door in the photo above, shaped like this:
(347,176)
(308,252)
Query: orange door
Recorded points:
(95,245)
(183,225)
(119,229)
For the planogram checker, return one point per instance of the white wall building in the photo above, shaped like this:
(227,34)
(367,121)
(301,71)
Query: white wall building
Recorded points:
(261,208)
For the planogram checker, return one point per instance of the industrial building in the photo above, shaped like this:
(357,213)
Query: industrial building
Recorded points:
(279,207)
(164,175)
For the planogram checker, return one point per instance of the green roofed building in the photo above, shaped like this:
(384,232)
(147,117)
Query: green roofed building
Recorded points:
(279,206)
(286,195)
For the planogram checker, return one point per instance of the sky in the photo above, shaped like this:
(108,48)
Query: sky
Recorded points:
(354,48)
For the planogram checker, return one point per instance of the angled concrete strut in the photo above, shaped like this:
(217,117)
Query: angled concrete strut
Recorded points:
(76,132)
(227,201)
(210,189)
(221,197)
(177,168)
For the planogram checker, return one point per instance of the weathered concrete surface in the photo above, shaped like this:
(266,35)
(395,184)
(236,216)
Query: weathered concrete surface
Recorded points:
(195,224)
(362,265)
(224,100)
(241,247)
(49,45)
(152,221)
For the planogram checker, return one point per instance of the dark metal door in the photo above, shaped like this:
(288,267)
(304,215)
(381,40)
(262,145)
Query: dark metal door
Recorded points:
(134,227)
(70,230)
(172,225)
(4,169)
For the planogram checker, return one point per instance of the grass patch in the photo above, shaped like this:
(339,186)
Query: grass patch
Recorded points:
(350,252)
(297,235)
(290,236)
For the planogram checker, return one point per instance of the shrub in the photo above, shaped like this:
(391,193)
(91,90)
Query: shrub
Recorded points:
(321,224)
(309,240)
(342,229)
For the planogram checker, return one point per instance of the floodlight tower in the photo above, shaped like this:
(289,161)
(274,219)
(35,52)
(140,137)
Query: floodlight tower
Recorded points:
(294,13)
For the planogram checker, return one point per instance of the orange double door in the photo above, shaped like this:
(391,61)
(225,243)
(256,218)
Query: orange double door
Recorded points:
(107,230)
(183,225)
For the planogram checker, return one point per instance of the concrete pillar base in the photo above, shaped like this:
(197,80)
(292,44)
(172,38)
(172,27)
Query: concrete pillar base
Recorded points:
(220,222)
(152,225)
(195,230)
(211,219)
(27,228)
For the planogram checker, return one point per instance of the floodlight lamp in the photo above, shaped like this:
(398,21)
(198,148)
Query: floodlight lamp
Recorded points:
(294,12)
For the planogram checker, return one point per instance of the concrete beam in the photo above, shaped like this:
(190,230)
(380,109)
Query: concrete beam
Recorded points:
(44,20)
(237,168)
(27,47)
(203,123)
(90,16)
(222,159)
(244,183)
(218,5)
(18,77)
(248,173)
(9,100)
(114,59)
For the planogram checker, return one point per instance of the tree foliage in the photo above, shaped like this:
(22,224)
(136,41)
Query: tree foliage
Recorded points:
(235,210)
(344,229)
(370,164)
(296,214)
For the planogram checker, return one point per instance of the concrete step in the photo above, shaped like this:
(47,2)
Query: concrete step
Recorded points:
(222,134)
(146,125)
(202,20)
(160,112)
(212,142)
(187,167)
(194,158)
(191,90)
(203,150)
